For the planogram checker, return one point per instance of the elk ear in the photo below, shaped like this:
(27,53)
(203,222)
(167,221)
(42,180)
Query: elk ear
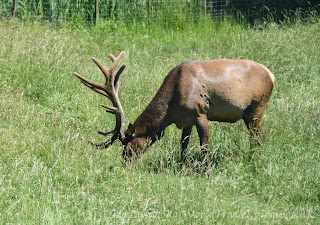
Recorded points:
(131,130)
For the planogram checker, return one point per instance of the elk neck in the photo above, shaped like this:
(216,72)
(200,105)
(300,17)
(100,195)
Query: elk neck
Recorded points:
(154,119)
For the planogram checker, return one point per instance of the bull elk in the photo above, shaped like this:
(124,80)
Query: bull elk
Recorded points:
(192,93)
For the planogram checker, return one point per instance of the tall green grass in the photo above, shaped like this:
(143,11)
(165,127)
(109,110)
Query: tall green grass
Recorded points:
(49,173)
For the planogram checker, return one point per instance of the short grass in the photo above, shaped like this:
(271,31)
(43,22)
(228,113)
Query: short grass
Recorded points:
(50,175)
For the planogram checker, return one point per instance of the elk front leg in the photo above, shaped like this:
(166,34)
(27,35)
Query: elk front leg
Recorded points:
(158,136)
(184,141)
(203,132)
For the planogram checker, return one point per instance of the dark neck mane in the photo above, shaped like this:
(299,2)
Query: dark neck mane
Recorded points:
(153,119)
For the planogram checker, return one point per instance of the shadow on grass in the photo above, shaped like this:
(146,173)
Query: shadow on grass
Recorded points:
(168,162)
(195,163)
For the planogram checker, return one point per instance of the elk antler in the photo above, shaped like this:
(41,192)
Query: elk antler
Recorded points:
(110,90)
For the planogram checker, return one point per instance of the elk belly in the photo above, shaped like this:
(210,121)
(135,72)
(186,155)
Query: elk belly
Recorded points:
(224,111)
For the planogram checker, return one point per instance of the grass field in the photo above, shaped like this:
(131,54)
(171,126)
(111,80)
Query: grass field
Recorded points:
(50,175)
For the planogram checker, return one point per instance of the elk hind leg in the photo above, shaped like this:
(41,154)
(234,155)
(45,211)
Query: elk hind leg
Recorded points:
(252,120)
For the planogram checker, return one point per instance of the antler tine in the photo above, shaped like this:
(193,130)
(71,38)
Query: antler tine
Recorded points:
(110,75)
(99,88)
(112,110)
(102,145)
(116,79)
(116,61)
(108,133)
